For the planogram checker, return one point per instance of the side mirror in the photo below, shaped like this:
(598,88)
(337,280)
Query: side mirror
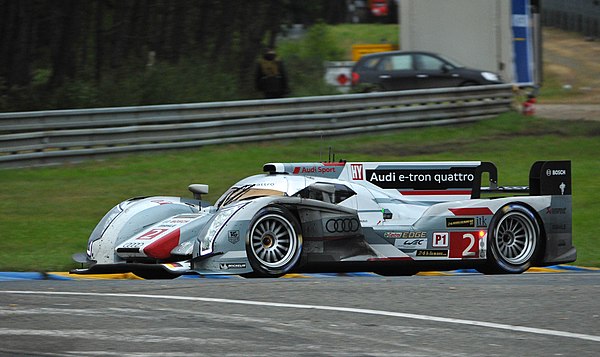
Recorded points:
(198,190)
(446,68)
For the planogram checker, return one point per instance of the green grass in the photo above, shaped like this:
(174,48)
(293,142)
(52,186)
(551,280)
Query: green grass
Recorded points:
(48,213)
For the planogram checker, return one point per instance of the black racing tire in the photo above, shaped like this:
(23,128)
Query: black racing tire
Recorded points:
(273,242)
(513,241)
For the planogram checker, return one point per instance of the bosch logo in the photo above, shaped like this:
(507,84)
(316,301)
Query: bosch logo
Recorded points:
(550,172)
(342,225)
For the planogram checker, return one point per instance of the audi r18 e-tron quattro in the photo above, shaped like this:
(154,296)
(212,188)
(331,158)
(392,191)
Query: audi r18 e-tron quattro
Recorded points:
(391,218)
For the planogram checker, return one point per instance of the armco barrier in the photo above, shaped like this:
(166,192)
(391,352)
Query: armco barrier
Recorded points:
(51,137)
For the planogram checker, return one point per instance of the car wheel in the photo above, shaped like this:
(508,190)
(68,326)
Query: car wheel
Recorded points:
(468,84)
(513,241)
(274,242)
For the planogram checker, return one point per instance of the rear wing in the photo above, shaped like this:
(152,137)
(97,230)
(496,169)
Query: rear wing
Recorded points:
(545,178)
(435,181)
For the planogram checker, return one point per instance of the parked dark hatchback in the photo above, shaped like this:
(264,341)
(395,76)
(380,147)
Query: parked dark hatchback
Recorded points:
(398,70)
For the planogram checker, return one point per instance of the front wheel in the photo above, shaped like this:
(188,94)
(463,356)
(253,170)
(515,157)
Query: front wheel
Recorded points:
(513,241)
(274,242)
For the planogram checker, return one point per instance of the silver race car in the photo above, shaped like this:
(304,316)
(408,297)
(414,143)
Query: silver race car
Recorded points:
(391,218)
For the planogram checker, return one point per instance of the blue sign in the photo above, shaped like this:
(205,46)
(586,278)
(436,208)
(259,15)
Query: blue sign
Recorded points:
(522,42)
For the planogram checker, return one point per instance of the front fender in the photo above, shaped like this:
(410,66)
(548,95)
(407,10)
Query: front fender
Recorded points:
(127,219)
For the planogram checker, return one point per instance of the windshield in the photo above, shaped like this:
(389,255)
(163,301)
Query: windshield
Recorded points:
(245,192)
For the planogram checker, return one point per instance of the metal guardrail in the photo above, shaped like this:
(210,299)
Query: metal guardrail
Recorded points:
(51,137)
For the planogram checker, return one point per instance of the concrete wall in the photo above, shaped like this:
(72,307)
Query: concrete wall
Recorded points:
(476,33)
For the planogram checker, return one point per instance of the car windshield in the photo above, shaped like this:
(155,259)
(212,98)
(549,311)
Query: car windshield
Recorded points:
(245,192)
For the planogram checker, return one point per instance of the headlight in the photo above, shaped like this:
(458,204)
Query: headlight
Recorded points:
(217,223)
(490,76)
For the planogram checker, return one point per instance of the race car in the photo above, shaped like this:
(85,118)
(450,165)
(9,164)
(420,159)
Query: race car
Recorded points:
(391,218)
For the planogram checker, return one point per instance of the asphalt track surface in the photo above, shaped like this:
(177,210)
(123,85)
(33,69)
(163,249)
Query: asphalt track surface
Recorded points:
(461,315)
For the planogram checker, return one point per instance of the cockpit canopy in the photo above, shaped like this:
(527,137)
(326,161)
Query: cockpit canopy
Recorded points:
(284,185)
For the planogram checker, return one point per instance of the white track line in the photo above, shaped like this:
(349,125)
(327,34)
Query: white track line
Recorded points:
(493,325)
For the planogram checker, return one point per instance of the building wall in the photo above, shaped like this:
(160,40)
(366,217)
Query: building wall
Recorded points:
(476,33)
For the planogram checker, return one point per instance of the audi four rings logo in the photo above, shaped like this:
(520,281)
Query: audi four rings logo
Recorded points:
(342,225)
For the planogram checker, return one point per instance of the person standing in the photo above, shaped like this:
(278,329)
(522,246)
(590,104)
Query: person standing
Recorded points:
(271,78)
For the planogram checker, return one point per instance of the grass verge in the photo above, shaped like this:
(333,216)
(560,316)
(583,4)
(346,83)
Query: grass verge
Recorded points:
(48,213)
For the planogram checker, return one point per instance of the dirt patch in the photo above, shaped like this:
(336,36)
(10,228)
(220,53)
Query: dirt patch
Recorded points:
(572,62)
(569,111)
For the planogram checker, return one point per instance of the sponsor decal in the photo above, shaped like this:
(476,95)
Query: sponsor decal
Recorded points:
(151,234)
(452,222)
(264,184)
(559,227)
(411,243)
(133,245)
(234,237)
(342,225)
(432,253)
(357,171)
(461,177)
(465,244)
(440,240)
(179,221)
(555,172)
(300,170)
(556,210)
(405,235)
(226,266)
(481,221)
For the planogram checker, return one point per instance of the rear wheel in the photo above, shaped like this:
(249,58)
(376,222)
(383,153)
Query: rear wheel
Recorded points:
(274,242)
(513,241)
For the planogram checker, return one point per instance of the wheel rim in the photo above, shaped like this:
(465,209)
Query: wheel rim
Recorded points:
(273,241)
(515,238)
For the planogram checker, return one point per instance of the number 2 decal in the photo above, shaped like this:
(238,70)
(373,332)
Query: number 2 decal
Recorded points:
(467,252)
(464,245)
(151,234)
